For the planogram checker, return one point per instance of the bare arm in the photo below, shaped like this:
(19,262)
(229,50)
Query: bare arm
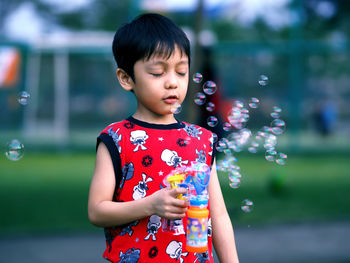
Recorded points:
(104,212)
(223,236)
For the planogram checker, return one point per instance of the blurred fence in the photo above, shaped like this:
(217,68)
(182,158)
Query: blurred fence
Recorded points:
(74,91)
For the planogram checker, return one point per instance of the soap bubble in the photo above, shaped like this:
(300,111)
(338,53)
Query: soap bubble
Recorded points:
(221,145)
(209,87)
(200,98)
(281,158)
(247,206)
(238,115)
(176,108)
(235,183)
(263,80)
(276,112)
(212,121)
(210,106)
(254,103)
(252,149)
(277,109)
(270,155)
(275,115)
(14,150)
(270,142)
(197,77)
(227,126)
(23,98)
(278,126)
(215,137)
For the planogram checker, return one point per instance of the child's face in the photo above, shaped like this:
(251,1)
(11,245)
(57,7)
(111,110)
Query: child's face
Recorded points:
(160,83)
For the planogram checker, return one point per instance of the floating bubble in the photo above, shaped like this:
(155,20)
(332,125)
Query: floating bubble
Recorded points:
(14,150)
(238,115)
(276,112)
(281,158)
(252,149)
(176,108)
(270,142)
(254,103)
(212,121)
(270,155)
(197,77)
(221,145)
(247,206)
(200,98)
(277,109)
(209,87)
(226,126)
(263,80)
(23,98)
(266,130)
(278,126)
(236,183)
(275,115)
(210,106)
(215,137)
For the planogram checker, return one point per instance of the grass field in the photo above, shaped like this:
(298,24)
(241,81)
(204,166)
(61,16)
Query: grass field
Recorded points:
(48,192)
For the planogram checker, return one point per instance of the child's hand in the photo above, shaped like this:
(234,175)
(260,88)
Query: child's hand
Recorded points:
(166,205)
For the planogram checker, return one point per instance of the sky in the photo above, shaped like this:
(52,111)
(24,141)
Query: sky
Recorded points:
(25,24)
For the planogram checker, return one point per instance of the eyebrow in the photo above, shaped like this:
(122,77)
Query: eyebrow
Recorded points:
(161,62)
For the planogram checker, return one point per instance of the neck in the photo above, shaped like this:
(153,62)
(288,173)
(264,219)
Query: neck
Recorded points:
(163,119)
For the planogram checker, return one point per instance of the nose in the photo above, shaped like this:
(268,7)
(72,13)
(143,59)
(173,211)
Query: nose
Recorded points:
(171,81)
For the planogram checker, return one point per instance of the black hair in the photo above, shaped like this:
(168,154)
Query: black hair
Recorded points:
(145,36)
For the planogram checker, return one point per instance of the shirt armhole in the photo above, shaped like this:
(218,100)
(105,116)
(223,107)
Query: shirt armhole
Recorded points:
(115,156)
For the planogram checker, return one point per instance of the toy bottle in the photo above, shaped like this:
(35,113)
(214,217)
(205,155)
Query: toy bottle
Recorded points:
(197,225)
(173,181)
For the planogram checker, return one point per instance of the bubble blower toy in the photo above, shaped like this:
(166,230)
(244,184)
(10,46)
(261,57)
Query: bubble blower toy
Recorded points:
(174,180)
(196,179)
(197,213)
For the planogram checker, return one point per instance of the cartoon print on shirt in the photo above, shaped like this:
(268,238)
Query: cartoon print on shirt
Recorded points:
(128,173)
(154,223)
(171,158)
(140,189)
(174,250)
(138,138)
(211,140)
(130,256)
(201,156)
(193,131)
(128,229)
(202,257)
(209,227)
(116,138)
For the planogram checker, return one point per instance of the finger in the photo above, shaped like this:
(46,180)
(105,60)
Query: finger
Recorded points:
(180,203)
(178,190)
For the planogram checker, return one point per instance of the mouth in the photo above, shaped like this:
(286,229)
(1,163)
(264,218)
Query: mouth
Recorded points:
(171,99)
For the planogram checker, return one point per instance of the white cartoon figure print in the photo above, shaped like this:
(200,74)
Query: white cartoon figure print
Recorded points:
(201,156)
(116,138)
(209,227)
(171,158)
(153,225)
(138,138)
(174,250)
(193,131)
(141,188)
(211,141)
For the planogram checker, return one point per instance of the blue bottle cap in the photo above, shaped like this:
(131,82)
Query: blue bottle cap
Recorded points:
(199,201)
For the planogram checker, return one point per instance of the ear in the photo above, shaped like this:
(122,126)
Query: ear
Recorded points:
(124,79)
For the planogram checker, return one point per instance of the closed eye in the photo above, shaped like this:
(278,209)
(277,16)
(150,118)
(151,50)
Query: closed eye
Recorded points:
(156,74)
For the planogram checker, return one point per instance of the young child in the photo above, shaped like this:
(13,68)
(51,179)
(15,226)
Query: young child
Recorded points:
(127,193)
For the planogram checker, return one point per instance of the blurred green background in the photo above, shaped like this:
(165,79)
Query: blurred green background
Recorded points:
(68,69)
